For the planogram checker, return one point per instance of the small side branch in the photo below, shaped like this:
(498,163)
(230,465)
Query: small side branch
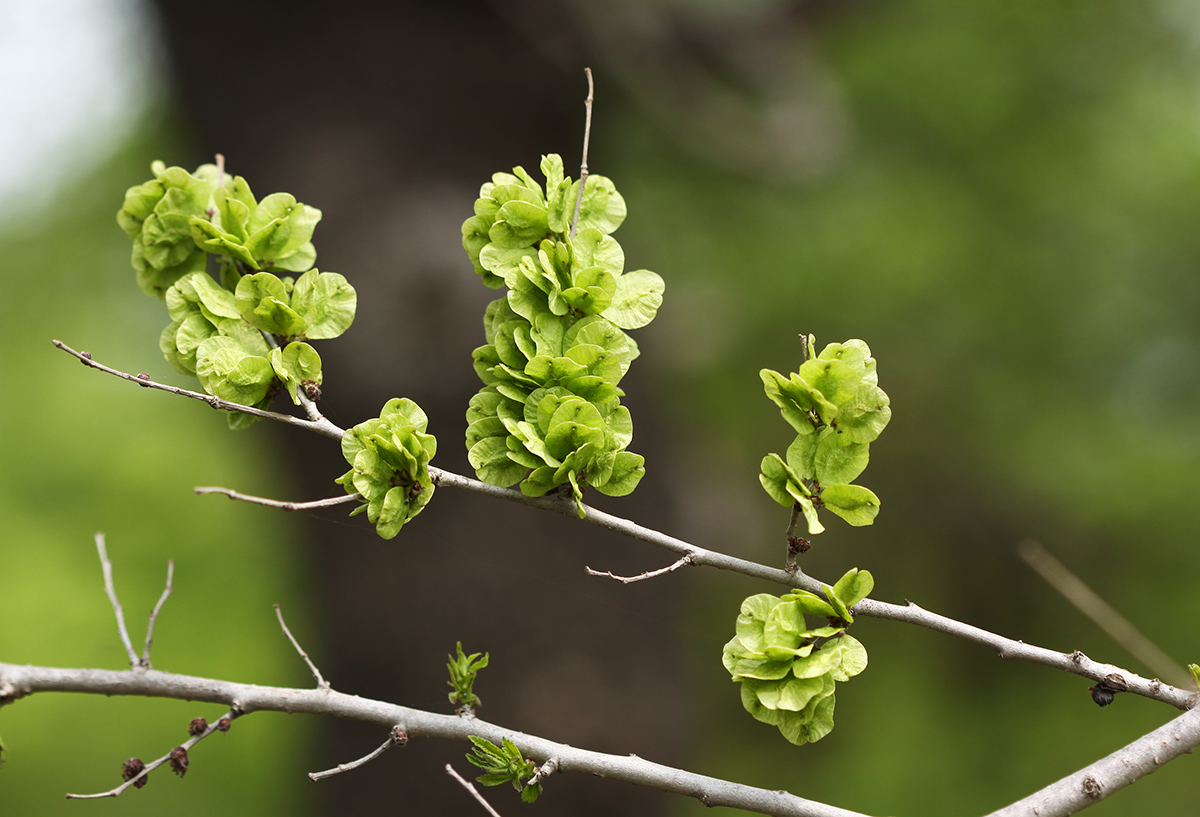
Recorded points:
(154,613)
(686,559)
(587,135)
(471,788)
(111,590)
(276,503)
(321,682)
(321,426)
(398,737)
(177,757)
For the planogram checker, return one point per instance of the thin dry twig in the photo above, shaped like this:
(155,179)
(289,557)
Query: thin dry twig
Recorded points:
(321,682)
(398,737)
(321,426)
(278,503)
(686,559)
(1101,613)
(111,590)
(151,766)
(587,135)
(474,792)
(154,613)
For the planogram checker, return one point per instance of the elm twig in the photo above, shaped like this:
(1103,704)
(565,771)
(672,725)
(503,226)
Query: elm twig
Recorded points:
(278,503)
(471,788)
(151,766)
(111,590)
(397,737)
(685,559)
(321,682)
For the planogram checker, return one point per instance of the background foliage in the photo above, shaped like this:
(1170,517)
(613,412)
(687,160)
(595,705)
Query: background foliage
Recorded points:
(1000,197)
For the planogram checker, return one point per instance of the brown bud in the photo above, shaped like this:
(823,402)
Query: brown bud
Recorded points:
(132,768)
(399,736)
(197,727)
(223,725)
(179,760)
(312,390)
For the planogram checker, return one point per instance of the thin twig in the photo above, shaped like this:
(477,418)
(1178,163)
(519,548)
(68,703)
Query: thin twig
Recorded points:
(322,426)
(277,503)
(321,682)
(1101,613)
(154,613)
(587,135)
(398,737)
(151,766)
(474,792)
(111,589)
(686,559)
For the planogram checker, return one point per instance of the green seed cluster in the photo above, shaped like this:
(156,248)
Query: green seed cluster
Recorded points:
(244,333)
(549,413)
(390,458)
(788,671)
(837,409)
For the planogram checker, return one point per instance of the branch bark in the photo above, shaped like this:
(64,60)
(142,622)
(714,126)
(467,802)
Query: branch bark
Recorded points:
(19,681)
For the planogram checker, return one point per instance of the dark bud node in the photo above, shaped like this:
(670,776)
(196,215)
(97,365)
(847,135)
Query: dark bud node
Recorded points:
(1109,686)
(311,390)
(143,376)
(399,736)
(798,545)
(132,768)
(179,760)
(197,727)
(223,725)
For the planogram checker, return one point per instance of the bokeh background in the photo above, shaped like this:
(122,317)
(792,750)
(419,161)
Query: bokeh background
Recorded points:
(1001,197)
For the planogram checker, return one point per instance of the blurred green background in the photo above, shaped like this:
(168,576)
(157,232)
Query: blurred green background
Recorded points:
(1001,198)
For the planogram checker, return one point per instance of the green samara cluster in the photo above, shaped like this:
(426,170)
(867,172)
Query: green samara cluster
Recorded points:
(243,332)
(837,409)
(788,671)
(549,413)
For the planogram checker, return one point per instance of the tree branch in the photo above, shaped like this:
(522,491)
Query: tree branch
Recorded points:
(19,681)
(321,426)
(1075,663)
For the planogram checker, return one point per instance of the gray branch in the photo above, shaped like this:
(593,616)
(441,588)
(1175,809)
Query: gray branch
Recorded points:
(19,681)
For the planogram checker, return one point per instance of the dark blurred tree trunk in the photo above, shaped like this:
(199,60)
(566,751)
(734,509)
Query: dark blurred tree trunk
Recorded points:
(388,117)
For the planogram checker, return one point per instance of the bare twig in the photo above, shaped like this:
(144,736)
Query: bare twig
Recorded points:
(321,682)
(151,766)
(154,613)
(587,135)
(1102,614)
(111,590)
(322,426)
(471,788)
(276,503)
(686,559)
(398,737)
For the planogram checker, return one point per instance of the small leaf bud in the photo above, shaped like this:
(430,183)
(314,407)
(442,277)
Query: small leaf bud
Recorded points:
(197,727)
(132,768)
(223,725)
(399,736)
(179,760)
